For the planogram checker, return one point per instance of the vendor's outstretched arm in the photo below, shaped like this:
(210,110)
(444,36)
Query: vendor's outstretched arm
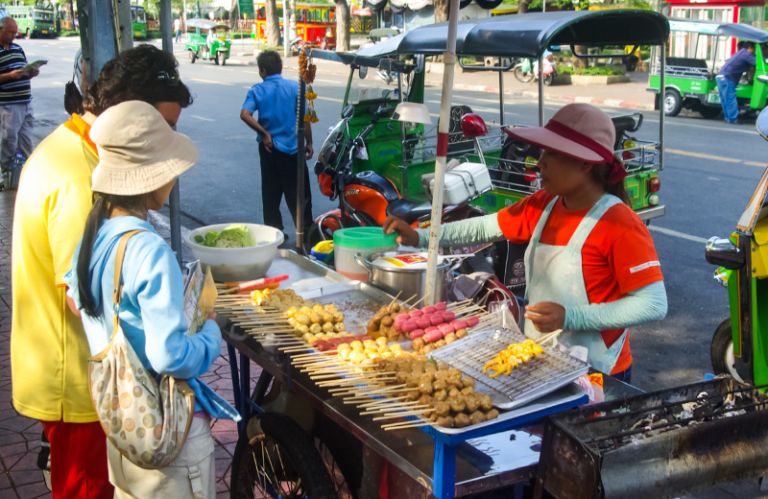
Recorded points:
(477,230)
(648,303)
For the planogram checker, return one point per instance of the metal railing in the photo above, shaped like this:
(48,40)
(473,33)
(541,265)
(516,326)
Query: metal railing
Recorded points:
(424,148)
(684,72)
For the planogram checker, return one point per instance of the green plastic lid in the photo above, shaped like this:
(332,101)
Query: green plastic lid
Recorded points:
(363,237)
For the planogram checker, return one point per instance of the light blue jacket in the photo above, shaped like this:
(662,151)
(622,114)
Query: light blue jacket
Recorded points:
(151,313)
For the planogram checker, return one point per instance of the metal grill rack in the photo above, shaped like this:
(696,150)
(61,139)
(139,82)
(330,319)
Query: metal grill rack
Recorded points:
(529,381)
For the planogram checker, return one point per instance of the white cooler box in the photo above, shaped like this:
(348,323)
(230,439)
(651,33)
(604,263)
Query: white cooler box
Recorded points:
(464,183)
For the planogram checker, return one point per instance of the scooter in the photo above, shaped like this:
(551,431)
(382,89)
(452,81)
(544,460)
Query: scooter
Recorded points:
(365,198)
(740,344)
(526,72)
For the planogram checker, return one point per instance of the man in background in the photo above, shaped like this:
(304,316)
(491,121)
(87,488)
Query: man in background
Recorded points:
(15,96)
(729,77)
(275,101)
(177,29)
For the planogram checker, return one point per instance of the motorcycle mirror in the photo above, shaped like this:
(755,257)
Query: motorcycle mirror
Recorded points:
(362,72)
(348,112)
(723,253)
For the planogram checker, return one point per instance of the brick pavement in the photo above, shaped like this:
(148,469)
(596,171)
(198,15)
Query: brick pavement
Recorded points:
(20,436)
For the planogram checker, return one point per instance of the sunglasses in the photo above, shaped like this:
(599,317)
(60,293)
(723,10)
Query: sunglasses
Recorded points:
(173,80)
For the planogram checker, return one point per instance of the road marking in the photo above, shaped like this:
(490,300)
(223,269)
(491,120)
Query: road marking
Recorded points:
(68,60)
(247,71)
(326,81)
(713,178)
(675,233)
(329,98)
(717,129)
(201,118)
(211,81)
(755,163)
(703,156)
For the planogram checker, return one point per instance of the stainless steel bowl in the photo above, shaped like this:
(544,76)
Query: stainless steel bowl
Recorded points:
(407,282)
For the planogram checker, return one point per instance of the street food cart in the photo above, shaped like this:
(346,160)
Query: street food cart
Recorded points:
(351,397)
(315,22)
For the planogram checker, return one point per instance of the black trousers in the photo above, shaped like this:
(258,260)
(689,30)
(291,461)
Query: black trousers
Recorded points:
(278,177)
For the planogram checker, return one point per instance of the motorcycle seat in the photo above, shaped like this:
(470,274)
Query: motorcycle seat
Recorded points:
(409,210)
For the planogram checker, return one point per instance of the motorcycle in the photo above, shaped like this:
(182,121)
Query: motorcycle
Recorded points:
(365,198)
(740,344)
(525,72)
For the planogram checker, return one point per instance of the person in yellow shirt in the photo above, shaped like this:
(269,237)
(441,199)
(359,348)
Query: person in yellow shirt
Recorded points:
(49,350)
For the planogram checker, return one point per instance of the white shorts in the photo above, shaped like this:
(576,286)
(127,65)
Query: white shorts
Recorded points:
(192,475)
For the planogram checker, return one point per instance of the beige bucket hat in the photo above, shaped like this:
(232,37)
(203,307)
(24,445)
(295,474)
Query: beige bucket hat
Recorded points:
(138,151)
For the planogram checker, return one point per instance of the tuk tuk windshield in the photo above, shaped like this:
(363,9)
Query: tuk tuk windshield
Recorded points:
(221,33)
(376,86)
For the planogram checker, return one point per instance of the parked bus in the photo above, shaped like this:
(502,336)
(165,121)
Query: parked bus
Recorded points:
(314,22)
(138,22)
(33,21)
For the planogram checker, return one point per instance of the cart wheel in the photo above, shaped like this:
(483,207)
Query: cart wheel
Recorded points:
(279,461)
(216,58)
(721,352)
(709,112)
(192,57)
(223,60)
(548,79)
(523,76)
(673,102)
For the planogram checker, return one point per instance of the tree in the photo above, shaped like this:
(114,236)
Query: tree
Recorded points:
(273,22)
(442,8)
(342,26)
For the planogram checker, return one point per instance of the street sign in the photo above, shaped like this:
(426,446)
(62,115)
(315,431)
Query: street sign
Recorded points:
(246,7)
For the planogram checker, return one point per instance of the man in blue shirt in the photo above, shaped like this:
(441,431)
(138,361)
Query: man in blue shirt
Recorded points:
(275,100)
(729,77)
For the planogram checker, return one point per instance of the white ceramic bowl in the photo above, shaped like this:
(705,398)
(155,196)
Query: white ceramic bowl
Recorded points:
(237,264)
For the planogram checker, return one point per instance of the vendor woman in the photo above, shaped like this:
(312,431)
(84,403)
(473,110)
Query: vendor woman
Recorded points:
(591,266)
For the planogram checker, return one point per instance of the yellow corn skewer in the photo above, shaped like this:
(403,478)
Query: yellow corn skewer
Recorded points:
(511,357)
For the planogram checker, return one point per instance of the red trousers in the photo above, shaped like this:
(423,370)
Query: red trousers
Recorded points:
(78,460)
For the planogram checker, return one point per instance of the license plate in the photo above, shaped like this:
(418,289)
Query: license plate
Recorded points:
(138,33)
(45,32)
(713,98)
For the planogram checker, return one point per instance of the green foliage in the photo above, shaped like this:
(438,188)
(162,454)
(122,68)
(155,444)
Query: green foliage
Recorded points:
(469,61)
(69,33)
(599,71)
(565,70)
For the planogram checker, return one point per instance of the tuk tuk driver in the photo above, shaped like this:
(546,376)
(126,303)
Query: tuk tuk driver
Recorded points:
(591,266)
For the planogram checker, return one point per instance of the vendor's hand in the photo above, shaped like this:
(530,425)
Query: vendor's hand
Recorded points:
(267,141)
(308,151)
(408,236)
(546,316)
(34,73)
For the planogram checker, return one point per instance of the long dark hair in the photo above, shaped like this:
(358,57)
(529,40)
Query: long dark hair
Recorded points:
(601,174)
(103,204)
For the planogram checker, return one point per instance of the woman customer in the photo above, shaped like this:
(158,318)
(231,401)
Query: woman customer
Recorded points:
(140,157)
(591,266)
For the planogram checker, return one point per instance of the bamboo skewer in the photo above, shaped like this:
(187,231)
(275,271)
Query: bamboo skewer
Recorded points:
(410,424)
(545,338)
(400,415)
(389,409)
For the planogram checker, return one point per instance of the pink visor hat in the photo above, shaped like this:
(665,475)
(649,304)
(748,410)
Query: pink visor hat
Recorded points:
(580,131)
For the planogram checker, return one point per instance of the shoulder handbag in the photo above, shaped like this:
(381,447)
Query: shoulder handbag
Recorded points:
(146,420)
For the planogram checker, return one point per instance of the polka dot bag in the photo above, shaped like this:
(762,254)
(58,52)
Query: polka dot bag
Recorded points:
(146,420)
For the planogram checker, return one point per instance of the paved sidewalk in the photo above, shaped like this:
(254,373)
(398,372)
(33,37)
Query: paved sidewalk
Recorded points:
(20,436)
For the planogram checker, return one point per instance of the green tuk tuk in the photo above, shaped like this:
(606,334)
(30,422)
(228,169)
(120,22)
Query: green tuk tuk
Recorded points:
(382,166)
(210,41)
(698,49)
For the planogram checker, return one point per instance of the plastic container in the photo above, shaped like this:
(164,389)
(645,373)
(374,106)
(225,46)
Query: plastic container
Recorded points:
(237,264)
(464,183)
(323,251)
(364,240)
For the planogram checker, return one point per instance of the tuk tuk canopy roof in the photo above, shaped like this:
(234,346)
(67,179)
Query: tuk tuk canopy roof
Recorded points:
(205,24)
(529,35)
(737,30)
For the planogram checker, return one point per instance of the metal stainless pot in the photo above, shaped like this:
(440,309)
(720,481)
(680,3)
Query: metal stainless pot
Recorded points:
(407,280)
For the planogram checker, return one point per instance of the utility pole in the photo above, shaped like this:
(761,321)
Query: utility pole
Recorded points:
(286,26)
(105,31)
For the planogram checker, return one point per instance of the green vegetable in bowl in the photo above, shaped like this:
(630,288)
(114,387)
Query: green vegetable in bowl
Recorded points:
(233,236)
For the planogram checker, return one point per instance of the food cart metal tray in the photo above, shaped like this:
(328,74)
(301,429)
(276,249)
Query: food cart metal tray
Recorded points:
(530,381)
